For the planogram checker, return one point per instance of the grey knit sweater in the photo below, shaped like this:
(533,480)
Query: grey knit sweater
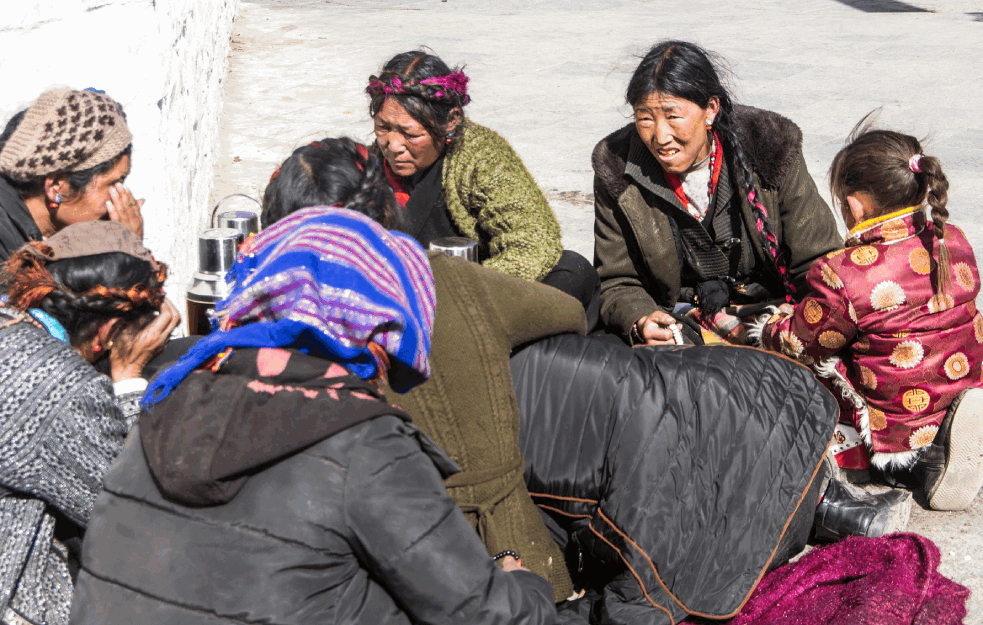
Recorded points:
(61,427)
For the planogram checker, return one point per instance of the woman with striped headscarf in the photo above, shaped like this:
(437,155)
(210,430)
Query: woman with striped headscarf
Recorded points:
(270,480)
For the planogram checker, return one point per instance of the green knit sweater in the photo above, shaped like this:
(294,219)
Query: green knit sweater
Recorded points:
(493,199)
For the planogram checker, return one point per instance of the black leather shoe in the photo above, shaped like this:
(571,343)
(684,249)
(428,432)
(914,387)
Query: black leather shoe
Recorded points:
(850,511)
(950,469)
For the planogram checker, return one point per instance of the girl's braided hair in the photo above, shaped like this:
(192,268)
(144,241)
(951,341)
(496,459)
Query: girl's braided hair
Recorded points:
(82,292)
(332,172)
(890,168)
(685,70)
(426,87)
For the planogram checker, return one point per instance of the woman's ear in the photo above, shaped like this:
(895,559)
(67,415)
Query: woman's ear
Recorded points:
(55,188)
(107,332)
(453,120)
(713,109)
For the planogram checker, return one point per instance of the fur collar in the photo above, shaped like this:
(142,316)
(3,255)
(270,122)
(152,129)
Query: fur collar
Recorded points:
(771,143)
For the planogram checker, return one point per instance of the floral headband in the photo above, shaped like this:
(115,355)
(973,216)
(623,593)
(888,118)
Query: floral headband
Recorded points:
(449,89)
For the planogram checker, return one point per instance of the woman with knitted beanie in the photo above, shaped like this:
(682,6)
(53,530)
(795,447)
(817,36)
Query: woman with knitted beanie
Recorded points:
(454,177)
(63,160)
(700,204)
(84,301)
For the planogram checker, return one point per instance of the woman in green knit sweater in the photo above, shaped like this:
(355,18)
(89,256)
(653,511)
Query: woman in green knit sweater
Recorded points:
(454,177)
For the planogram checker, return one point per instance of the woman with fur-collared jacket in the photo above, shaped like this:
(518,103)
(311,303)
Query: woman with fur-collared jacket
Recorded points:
(700,204)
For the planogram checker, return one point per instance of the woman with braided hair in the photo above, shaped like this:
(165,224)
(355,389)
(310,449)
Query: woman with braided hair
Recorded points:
(63,160)
(87,298)
(700,203)
(454,177)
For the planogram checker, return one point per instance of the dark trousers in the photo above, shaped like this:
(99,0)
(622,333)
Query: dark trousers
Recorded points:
(575,275)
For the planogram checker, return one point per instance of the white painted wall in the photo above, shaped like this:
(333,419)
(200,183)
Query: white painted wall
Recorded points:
(165,61)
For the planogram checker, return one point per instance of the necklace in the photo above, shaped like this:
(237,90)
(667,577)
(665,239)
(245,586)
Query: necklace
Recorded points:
(711,183)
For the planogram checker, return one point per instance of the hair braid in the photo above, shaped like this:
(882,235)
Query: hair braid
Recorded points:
(936,197)
(727,134)
(427,88)
(81,292)
(372,195)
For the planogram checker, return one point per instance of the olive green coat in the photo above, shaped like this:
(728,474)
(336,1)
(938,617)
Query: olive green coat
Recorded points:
(493,199)
(469,408)
(636,252)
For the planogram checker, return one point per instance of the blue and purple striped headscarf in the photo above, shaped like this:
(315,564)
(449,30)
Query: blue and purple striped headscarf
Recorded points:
(325,281)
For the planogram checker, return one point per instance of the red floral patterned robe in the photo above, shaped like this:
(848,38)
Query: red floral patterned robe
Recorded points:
(895,353)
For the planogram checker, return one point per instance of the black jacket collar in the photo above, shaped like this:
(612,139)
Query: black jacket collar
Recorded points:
(17,227)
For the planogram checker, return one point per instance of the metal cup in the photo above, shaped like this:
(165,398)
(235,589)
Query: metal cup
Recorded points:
(246,222)
(456,246)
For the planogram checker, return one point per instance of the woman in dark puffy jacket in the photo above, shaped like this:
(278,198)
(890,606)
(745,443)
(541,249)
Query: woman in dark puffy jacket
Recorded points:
(270,482)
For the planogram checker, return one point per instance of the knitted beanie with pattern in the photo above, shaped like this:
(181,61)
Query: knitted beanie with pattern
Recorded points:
(65,130)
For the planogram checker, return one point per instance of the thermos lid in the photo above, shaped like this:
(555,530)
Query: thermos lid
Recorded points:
(246,222)
(217,249)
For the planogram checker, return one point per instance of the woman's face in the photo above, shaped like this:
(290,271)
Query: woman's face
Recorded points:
(405,143)
(90,203)
(675,129)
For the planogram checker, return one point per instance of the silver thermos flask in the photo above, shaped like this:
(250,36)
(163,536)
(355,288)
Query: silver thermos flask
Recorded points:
(217,249)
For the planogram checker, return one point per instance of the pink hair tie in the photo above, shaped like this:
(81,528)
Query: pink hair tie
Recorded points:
(915,163)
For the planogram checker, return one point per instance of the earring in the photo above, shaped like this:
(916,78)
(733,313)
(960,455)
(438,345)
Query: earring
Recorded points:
(450,137)
(56,202)
(96,348)
(109,345)
(709,124)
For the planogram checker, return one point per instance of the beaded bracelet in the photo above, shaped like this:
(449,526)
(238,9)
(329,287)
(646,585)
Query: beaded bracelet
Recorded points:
(507,552)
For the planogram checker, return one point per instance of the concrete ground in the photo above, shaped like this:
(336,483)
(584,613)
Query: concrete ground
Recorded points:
(550,77)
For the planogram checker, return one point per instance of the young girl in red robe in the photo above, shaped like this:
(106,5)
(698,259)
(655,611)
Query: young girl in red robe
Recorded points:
(891,324)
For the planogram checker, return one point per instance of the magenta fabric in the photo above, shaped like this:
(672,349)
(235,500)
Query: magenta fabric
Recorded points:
(893,580)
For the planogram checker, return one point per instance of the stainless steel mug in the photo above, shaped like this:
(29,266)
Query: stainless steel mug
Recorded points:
(456,246)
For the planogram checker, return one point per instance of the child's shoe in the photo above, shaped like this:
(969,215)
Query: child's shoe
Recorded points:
(846,510)
(951,468)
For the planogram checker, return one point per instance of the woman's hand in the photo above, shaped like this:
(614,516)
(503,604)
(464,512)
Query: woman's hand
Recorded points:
(509,564)
(656,329)
(125,209)
(138,342)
